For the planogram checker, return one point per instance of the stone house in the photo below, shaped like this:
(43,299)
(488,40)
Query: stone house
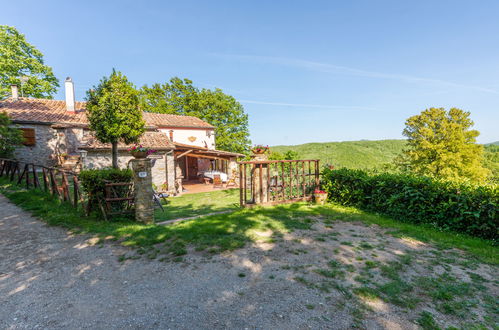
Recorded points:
(56,133)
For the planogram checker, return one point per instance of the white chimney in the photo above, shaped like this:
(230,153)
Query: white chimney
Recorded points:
(70,95)
(15,92)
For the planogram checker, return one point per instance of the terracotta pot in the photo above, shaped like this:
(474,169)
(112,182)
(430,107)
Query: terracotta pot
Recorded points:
(259,152)
(320,198)
(139,154)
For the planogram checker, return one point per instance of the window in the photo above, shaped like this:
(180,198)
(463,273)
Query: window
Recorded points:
(29,136)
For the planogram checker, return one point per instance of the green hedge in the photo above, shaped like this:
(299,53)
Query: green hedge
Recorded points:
(93,182)
(459,207)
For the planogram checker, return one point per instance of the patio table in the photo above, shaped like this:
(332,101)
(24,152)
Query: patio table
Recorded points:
(211,175)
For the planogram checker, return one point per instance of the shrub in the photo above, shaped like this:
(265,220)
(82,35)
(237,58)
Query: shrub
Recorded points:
(460,207)
(93,182)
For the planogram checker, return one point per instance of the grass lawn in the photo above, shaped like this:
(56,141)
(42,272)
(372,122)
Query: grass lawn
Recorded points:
(349,263)
(225,231)
(190,205)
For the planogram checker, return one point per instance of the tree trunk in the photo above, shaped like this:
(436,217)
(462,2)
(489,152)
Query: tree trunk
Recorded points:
(115,154)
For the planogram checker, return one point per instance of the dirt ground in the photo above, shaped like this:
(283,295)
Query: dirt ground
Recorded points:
(338,275)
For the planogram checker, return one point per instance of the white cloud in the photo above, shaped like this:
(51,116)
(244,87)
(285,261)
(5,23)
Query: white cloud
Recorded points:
(331,68)
(299,105)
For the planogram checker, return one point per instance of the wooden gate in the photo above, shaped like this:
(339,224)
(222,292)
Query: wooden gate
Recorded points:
(270,182)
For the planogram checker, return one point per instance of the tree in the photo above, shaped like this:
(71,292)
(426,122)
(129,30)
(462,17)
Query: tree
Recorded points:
(215,107)
(288,155)
(114,113)
(442,145)
(10,136)
(18,59)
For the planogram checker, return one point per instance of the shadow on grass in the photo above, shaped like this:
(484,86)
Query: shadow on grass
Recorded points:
(226,231)
(191,205)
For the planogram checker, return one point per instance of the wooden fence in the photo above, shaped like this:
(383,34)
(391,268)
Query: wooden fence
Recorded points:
(277,181)
(61,183)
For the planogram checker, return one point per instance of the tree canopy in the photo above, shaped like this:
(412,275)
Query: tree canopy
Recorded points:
(10,136)
(18,59)
(114,113)
(214,106)
(442,144)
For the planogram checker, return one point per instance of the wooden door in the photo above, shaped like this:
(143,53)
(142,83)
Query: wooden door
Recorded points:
(192,168)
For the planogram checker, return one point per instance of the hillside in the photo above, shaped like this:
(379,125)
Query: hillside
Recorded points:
(351,154)
(370,154)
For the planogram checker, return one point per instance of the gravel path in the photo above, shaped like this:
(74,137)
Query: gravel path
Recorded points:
(51,279)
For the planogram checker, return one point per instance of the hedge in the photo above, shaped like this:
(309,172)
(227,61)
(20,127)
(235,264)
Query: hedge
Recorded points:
(93,182)
(459,207)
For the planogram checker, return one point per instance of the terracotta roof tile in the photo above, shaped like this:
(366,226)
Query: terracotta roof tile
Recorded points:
(54,111)
(152,140)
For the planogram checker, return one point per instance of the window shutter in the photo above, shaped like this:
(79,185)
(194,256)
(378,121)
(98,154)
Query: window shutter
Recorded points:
(29,136)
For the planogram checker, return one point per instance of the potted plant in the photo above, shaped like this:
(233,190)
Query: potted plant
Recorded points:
(259,149)
(138,151)
(320,196)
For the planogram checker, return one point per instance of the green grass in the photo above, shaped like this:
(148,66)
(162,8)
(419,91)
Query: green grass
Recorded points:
(232,230)
(190,205)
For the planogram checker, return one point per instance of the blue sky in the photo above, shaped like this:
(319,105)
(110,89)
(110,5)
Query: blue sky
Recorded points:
(305,71)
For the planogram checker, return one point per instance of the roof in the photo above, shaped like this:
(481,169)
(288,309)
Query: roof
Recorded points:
(151,140)
(46,111)
(206,151)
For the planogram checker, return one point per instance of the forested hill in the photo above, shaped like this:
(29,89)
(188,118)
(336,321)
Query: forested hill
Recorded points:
(369,154)
(352,154)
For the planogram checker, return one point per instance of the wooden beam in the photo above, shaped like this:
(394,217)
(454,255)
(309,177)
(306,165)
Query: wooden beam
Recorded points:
(184,153)
(205,156)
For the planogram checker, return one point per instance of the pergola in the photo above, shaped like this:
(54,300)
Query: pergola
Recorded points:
(222,159)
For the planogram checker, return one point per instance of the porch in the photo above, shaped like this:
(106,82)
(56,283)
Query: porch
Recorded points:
(201,169)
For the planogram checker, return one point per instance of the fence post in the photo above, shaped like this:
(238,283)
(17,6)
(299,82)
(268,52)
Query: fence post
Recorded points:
(144,208)
(241,202)
(45,179)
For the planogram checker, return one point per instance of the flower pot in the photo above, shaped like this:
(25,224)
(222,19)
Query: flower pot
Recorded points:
(320,198)
(139,154)
(259,151)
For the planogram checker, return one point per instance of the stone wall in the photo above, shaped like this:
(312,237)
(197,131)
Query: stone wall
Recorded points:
(43,152)
(49,142)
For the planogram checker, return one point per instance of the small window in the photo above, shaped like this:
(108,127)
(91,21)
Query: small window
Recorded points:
(29,136)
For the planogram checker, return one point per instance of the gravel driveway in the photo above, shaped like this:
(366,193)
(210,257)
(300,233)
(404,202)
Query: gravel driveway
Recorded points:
(52,279)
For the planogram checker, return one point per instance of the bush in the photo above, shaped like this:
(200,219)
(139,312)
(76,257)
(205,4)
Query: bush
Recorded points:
(459,207)
(93,182)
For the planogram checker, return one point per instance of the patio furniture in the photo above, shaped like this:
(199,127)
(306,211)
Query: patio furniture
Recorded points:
(232,182)
(211,174)
(217,181)
(157,197)
(206,180)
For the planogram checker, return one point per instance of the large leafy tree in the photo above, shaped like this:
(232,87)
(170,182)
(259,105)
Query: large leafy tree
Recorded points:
(214,106)
(10,136)
(442,144)
(114,113)
(19,59)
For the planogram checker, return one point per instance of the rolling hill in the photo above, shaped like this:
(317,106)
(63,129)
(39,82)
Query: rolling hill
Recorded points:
(352,154)
(371,154)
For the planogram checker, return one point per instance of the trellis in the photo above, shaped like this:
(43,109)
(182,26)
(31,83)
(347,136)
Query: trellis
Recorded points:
(270,182)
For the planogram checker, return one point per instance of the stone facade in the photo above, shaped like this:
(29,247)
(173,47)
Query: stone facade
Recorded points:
(50,143)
